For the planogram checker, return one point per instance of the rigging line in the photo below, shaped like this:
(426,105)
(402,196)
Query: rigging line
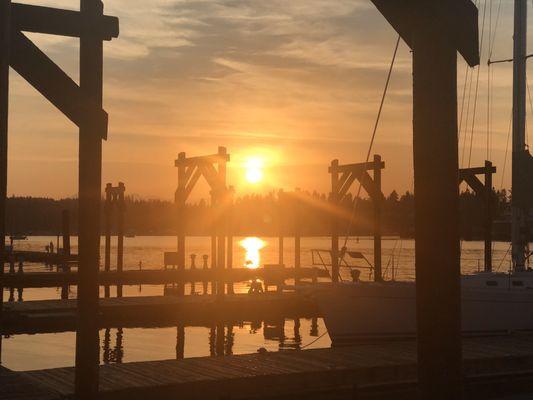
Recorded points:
(496,23)
(506,150)
(314,341)
(463,104)
(504,256)
(467,119)
(385,90)
(530,105)
(477,83)
(488,111)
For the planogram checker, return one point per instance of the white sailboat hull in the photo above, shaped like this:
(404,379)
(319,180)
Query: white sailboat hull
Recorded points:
(374,311)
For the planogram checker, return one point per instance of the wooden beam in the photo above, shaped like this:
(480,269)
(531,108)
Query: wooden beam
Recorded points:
(55,21)
(210,159)
(192,183)
(356,168)
(54,84)
(476,171)
(343,191)
(458,19)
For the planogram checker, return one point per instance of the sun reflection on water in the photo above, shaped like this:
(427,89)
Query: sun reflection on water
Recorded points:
(252,247)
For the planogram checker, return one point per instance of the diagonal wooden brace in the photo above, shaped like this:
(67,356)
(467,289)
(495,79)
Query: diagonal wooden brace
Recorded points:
(53,83)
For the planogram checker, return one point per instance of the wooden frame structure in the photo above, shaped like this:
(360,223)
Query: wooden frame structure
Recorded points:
(484,191)
(213,169)
(82,104)
(342,178)
(114,204)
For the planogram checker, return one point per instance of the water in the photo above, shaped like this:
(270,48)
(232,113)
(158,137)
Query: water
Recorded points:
(27,352)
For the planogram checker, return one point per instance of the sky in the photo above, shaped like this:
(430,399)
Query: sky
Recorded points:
(295,84)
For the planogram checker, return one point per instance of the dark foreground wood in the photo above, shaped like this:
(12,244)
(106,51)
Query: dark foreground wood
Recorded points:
(493,365)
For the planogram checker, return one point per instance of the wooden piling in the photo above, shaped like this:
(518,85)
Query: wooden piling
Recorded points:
(221,228)
(180,210)
(297,234)
(377,202)
(488,216)
(230,228)
(334,221)
(5,30)
(90,171)
(107,228)
(121,209)
(437,212)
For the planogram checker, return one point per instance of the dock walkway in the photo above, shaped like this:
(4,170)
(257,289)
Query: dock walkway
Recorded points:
(202,310)
(284,374)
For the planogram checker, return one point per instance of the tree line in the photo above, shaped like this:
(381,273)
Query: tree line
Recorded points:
(308,213)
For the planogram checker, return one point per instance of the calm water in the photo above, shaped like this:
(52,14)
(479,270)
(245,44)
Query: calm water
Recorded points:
(26,352)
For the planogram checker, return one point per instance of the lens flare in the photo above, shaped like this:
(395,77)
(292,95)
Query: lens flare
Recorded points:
(254,170)
(252,247)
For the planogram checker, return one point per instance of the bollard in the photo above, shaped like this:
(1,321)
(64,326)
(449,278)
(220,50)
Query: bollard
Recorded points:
(193,267)
(205,257)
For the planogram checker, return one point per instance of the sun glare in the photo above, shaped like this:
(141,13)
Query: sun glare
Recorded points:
(252,246)
(254,170)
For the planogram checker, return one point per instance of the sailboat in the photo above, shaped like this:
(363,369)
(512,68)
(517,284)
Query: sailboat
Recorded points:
(492,303)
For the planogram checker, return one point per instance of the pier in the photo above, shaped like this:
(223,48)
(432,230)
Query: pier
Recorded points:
(366,371)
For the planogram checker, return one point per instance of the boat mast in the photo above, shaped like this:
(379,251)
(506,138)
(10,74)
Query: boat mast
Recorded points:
(519,240)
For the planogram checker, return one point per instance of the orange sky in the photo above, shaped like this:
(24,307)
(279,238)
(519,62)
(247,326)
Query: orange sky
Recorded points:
(296,82)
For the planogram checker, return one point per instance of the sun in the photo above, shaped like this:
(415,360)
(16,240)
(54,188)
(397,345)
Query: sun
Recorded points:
(254,170)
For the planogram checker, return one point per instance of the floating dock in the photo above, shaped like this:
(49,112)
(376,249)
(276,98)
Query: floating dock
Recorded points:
(364,371)
(61,315)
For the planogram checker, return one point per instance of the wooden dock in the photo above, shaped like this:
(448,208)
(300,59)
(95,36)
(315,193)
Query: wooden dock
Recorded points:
(352,373)
(158,276)
(202,310)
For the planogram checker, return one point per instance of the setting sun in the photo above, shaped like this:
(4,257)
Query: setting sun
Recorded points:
(254,170)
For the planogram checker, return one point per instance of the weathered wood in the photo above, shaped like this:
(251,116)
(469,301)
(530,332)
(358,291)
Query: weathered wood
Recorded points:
(55,21)
(90,174)
(55,85)
(437,211)
(335,202)
(300,374)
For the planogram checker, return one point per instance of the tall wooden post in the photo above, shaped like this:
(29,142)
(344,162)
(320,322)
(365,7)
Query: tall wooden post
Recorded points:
(65,224)
(90,170)
(334,221)
(221,228)
(378,200)
(297,235)
(5,29)
(180,209)
(230,228)
(488,216)
(437,212)
(107,222)
(121,209)
(281,247)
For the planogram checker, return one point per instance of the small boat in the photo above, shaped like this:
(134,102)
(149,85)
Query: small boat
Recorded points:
(492,303)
